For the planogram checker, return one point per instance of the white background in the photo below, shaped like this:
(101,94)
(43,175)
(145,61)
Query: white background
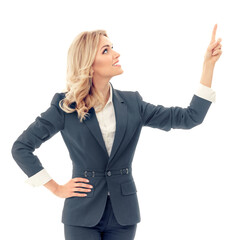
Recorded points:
(187,180)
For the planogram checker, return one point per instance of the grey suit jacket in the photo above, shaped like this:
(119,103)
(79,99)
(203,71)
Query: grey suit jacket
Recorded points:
(87,151)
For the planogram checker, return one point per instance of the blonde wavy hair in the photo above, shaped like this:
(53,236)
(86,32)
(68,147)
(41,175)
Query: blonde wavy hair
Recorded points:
(79,85)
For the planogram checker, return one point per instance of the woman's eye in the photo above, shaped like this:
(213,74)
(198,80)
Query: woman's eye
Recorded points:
(106,49)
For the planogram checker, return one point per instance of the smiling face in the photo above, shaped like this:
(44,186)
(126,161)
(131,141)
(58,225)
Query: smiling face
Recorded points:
(104,60)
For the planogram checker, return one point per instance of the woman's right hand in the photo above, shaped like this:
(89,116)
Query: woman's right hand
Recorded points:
(69,189)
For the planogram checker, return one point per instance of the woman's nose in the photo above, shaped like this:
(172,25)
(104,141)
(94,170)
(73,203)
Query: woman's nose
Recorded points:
(116,54)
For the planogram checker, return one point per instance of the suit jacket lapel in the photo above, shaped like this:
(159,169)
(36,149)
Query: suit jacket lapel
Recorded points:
(93,125)
(120,109)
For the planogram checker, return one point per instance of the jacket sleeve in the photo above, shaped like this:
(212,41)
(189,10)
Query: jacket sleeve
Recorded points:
(43,128)
(166,118)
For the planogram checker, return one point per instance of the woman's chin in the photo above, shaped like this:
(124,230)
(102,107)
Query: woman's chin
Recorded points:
(119,72)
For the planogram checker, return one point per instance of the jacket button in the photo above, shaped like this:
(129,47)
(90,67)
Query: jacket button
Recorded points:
(109,173)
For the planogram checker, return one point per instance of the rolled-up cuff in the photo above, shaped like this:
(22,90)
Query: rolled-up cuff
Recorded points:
(206,93)
(39,178)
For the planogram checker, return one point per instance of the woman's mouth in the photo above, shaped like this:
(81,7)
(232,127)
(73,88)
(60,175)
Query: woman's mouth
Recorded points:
(116,65)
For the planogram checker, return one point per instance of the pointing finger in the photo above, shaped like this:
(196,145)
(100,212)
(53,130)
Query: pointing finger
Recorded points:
(214,33)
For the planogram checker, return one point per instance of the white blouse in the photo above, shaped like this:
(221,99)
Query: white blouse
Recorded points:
(107,123)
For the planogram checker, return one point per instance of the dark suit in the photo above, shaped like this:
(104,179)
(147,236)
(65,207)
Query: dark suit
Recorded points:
(88,152)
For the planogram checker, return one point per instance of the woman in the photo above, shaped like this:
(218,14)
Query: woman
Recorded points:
(100,126)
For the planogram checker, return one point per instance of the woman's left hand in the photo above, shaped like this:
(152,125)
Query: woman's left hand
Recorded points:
(214,49)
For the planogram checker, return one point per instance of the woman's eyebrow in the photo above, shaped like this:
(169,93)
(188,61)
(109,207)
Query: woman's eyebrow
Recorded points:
(106,46)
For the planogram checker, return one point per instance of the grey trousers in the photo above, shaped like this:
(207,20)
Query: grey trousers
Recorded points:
(107,229)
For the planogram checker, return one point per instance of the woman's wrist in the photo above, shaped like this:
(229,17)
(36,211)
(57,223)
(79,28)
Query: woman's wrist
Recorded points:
(52,186)
(207,74)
